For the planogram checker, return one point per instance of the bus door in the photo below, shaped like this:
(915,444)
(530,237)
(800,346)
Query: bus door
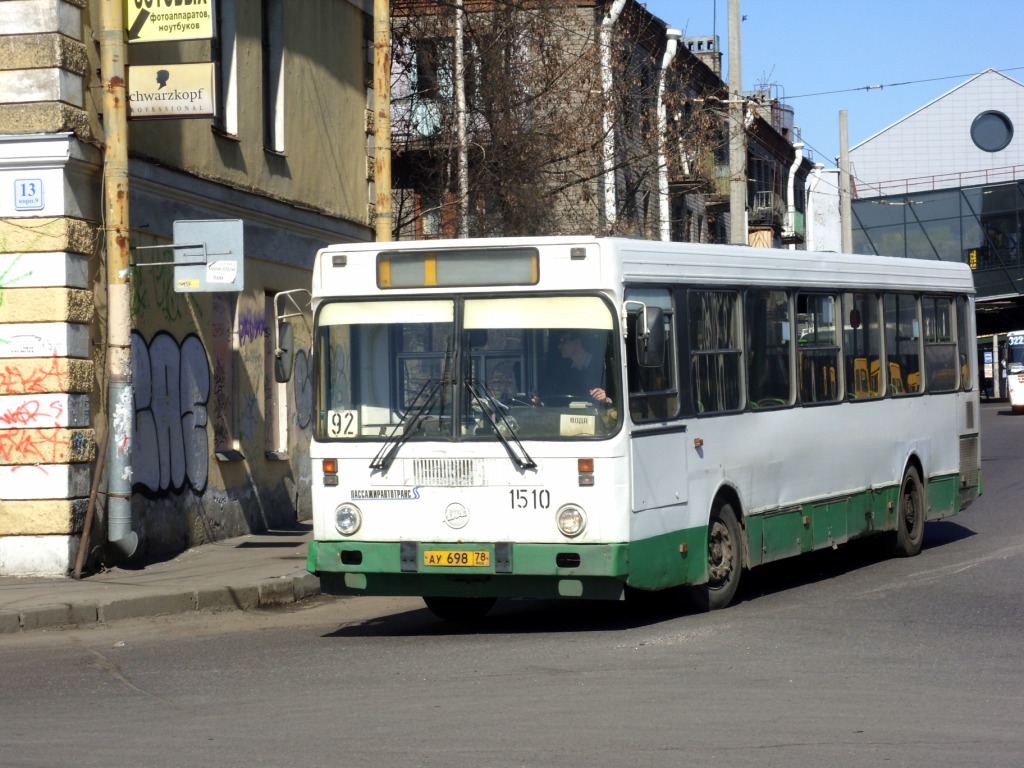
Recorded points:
(657,444)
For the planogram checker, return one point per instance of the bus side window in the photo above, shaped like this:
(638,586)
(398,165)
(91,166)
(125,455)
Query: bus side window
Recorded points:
(940,363)
(817,347)
(768,339)
(715,360)
(963,346)
(903,342)
(862,345)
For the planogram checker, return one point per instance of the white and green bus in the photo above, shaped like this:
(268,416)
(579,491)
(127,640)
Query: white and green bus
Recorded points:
(586,417)
(1015,370)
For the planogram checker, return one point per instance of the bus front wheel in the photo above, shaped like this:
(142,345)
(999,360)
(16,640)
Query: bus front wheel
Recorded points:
(725,560)
(909,533)
(459,608)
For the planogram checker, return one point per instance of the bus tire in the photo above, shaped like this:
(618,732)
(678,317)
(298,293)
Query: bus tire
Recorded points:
(910,515)
(459,608)
(725,560)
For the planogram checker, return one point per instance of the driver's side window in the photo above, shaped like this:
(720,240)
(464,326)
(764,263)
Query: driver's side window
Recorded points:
(653,392)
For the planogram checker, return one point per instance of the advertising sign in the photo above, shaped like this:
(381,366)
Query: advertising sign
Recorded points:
(150,21)
(171,91)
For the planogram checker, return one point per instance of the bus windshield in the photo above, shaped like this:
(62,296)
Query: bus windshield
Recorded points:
(1015,351)
(515,368)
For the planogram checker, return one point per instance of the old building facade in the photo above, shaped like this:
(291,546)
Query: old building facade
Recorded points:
(217,448)
(575,116)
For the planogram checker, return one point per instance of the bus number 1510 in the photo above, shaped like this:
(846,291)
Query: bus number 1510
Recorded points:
(533,498)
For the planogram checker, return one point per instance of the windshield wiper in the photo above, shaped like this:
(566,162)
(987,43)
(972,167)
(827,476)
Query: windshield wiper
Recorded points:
(495,410)
(422,403)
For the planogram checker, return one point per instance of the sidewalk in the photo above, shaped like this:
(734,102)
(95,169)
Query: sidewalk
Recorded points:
(252,571)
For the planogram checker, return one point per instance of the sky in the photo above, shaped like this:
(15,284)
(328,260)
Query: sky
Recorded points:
(819,55)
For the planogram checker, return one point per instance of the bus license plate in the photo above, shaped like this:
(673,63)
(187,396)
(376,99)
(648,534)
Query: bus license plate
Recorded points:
(445,558)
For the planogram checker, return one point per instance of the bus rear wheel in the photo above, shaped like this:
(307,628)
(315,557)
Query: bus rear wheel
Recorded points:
(909,533)
(459,608)
(725,560)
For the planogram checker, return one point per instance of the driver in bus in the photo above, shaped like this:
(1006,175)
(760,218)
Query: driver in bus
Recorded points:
(585,372)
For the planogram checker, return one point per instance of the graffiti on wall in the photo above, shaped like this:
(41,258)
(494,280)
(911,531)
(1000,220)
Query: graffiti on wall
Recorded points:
(11,274)
(18,379)
(44,446)
(170,445)
(31,411)
(154,288)
(252,326)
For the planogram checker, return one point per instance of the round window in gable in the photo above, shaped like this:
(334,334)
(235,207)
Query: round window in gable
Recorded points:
(991,131)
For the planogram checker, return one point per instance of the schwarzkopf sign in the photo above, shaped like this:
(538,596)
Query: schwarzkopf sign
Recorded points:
(171,91)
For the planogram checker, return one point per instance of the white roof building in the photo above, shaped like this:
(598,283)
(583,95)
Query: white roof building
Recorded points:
(971,135)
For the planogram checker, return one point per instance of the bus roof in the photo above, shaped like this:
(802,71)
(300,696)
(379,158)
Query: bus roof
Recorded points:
(640,261)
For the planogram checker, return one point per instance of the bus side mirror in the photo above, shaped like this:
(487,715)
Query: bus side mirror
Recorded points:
(283,355)
(650,338)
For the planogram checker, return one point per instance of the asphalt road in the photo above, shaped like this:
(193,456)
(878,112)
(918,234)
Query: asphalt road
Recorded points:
(840,658)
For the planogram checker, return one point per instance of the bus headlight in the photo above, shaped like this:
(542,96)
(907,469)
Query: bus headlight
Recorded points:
(571,520)
(347,519)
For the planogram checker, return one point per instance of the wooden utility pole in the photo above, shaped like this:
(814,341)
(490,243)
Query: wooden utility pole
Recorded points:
(737,134)
(845,204)
(382,117)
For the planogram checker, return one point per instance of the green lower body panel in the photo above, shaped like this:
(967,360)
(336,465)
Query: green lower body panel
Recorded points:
(943,496)
(782,533)
(603,571)
(669,560)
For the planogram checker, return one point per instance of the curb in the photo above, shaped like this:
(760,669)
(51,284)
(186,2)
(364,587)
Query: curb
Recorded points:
(266,594)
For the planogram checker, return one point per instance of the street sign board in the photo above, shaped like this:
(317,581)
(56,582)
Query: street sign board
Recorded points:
(208,256)
(149,21)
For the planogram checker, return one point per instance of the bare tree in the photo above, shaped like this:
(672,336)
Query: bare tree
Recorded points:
(534,132)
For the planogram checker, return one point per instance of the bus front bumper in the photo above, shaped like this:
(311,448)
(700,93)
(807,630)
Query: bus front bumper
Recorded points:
(502,569)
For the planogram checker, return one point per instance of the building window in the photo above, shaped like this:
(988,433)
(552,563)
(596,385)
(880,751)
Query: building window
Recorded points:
(991,131)
(226,120)
(434,83)
(273,75)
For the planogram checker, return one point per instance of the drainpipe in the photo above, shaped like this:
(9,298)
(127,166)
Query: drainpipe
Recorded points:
(809,212)
(120,405)
(671,46)
(798,146)
(607,121)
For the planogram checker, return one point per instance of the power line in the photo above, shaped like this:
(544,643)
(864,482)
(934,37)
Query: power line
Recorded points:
(893,85)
